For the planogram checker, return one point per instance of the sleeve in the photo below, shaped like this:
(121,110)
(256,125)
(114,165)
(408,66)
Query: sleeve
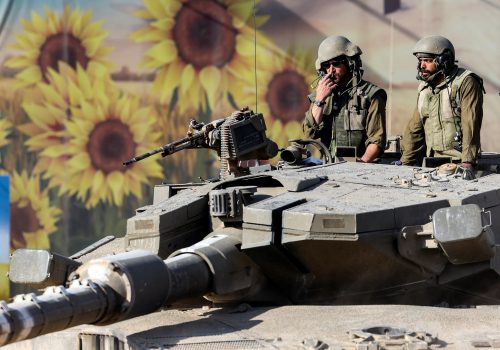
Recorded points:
(471,105)
(309,127)
(413,143)
(375,122)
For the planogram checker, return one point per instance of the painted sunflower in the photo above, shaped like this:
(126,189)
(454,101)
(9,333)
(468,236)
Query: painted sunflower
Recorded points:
(199,47)
(32,217)
(283,85)
(101,137)
(5,126)
(49,108)
(70,37)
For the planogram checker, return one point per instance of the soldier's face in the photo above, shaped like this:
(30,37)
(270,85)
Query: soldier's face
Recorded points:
(427,66)
(338,71)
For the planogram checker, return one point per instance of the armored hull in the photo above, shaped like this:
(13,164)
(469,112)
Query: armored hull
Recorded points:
(325,236)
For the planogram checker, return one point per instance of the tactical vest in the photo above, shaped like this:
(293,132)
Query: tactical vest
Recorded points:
(440,113)
(349,113)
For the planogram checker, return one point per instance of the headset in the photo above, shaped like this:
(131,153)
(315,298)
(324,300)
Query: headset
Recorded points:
(445,62)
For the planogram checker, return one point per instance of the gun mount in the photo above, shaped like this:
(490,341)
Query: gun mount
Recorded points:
(238,137)
(331,234)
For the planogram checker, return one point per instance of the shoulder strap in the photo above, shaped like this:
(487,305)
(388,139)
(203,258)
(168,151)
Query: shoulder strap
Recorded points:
(421,87)
(455,89)
(368,89)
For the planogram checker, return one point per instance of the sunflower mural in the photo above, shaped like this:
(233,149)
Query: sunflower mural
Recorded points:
(50,107)
(100,138)
(199,47)
(282,88)
(5,126)
(33,218)
(83,129)
(71,37)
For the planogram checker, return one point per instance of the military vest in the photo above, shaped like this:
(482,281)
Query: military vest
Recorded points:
(347,114)
(440,113)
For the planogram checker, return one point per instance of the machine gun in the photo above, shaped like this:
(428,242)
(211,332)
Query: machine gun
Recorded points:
(241,136)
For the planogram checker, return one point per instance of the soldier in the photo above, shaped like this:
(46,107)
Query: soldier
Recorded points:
(447,119)
(346,110)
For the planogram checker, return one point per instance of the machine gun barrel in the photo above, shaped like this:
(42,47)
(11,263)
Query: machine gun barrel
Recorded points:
(169,148)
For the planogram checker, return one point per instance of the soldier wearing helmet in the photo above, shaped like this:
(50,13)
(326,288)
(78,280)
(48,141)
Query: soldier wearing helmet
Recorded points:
(345,109)
(447,119)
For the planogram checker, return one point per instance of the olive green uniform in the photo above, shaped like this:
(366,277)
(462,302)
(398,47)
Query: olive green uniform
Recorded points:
(452,108)
(350,119)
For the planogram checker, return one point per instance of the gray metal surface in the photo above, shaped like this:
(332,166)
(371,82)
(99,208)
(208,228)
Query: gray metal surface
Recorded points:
(287,327)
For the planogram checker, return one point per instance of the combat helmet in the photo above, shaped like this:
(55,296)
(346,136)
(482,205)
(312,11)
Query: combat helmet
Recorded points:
(434,45)
(335,46)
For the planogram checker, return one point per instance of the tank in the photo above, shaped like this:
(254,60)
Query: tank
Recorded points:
(302,255)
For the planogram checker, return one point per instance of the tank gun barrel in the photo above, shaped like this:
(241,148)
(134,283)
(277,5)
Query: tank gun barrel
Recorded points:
(118,287)
(106,290)
(58,308)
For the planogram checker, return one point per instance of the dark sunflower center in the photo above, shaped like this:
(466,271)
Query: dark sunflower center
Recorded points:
(22,220)
(204,34)
(110,143)
(61,47)
(287,96)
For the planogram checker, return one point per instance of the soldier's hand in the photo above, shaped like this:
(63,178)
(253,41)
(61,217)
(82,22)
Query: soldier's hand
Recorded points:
(325,87)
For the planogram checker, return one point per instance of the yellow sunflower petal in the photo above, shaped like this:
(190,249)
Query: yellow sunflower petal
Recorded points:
(38,240)
(93,43)
(245,46)
(74,93)
(187,78)
(30,75)
(147,34)
(52,96)
(38,114)
(38,22)
(79,162)
(242,10)
(55,151)
(210,78)
(164,24)
(163,52)
(156,8)
(18,62)
(115,182)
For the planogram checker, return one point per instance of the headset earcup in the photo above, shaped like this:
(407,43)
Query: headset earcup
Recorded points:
(445,60)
